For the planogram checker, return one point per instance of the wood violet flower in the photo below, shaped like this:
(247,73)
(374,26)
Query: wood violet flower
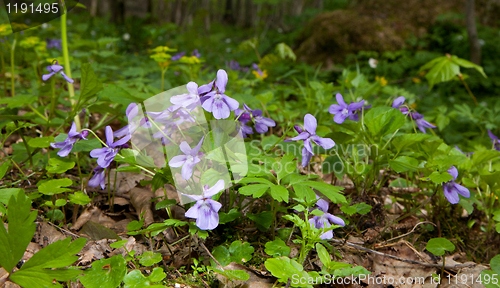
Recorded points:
(107,154)
(217,102)
(187,161)
(53,69)
(72,138)
(310,125)
(452,189)
(205,211)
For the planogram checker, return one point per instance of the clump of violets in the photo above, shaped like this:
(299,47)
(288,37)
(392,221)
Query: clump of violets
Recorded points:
(419,118)
(187,161)
(178,56)
(262,124)
(216,101)
(195,53)
(452,189)
(53,69)
(494,140)
(107,154)
(342,111)
(323,221)
(131,113)
(54,43)
(308,136)
(72,138)
(205,210)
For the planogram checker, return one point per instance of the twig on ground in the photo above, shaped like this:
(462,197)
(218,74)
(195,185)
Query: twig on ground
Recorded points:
(382,244)
(449,267)
(211,256)
(63,230)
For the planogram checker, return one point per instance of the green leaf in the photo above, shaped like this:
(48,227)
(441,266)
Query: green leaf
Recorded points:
(403,164)
(41,142)
(323,254)
(87,145)
(277,248)
(53,187)
(162,177)
(263,219)
(165,204)
(150,258)
(90,84)
(285,268)
(18,101)
(304,192)
(482,157)
(382,121)
(360,208)
(287,166)
(135,279)
(6,193)
(330,191)
(234,274)
(279,193)
(446,68)
(406,140)
(109,277)
(438,246)
(233,214)
(38,271)
(241,252)
(3,169)
(79,198)
(222,255)
(439,178)
(256,190)
(21,230)
(59,165)
(265,98)
(490,279)
(495,264)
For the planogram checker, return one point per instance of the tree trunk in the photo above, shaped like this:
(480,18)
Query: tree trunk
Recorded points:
(470,18)
(93,8)
(117,8)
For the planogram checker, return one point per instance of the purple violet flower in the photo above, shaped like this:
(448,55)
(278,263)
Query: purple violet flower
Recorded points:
(98,178)
(421,123)
(178,56)
(195,53)
(397,104)
(205,211)
(257,69)
(342,111)
(452,189)
(131,112)
(188,100)
(54,43)
(106,154)
(172,117)
(494,140)
(243,117)
(355,115)
(310,125)
(53,69)
(324,220)
(217,102)
(233,65)
(262,124)
(190,158)
(72,138)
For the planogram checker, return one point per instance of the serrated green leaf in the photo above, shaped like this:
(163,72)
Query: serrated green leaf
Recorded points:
(3,169)
(256,190)
(279,193)
(110,277)
(304,192)
(90,84)
(330,191)
(382,121)
(6,193)
(440,178)
(233,214)
(403,164)
(21,230)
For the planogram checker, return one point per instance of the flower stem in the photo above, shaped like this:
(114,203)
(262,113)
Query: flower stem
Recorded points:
(3,73)
(67,67)
(468,89)
(12,78)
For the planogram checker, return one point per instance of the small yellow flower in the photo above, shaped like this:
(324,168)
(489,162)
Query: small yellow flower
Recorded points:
(416,80)
(413,106)
(382,80)
(259,76)
(189,60)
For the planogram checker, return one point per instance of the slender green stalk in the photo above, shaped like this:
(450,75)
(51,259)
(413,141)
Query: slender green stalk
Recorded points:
(12,78)
(3,73)
(67,67)
(162,78)
(52,102)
